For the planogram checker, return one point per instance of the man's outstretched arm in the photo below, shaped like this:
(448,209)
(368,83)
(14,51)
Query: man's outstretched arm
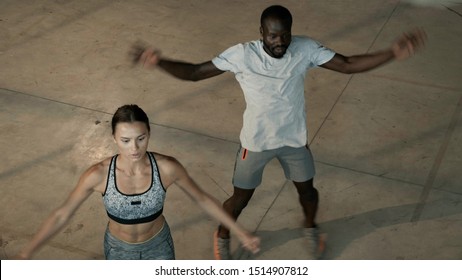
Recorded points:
(406,46)
(149,58)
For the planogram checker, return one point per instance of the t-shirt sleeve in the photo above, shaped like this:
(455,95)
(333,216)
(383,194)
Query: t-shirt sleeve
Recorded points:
(318,53)
(230,59)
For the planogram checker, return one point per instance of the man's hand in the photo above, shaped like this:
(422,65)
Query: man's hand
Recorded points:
(408,44)
(146,56)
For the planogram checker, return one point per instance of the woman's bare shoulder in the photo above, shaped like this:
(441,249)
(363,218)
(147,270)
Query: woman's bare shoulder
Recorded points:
(164,159)
(101,165)
(169,167)
(97,172)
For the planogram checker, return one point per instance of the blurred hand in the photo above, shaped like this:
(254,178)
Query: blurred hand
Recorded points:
(251,243)
(409,43)
(146,56)
(19,257)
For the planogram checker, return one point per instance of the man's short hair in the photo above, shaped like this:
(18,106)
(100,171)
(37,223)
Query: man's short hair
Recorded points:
(278,12)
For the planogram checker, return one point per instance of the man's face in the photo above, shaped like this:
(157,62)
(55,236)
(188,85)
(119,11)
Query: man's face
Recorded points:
(276,35)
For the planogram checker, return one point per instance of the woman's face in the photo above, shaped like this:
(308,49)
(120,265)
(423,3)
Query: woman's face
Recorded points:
(132,139)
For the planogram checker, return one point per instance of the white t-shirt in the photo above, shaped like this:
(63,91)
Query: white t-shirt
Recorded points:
(273,88)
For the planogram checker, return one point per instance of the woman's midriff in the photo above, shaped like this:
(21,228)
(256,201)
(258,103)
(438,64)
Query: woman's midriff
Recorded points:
(137,233)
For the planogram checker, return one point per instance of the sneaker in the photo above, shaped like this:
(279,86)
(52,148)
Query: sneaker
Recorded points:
(221,247)
(316,244)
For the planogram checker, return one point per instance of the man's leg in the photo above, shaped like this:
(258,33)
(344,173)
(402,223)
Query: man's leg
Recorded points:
(234,206)
(247,176)
(298,165)
(308,197)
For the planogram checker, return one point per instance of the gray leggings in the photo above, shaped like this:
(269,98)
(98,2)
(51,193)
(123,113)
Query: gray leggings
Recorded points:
(159,247)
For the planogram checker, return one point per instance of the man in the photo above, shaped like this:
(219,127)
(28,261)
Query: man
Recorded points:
(271,73)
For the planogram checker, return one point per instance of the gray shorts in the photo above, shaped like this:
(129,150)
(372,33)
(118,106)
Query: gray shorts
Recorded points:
(159,247)
(297,163)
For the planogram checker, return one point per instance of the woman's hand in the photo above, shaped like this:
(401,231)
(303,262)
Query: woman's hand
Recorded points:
(250,242)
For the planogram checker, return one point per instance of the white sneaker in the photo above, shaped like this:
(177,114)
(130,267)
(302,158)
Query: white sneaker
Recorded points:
(316,244)
(221,247)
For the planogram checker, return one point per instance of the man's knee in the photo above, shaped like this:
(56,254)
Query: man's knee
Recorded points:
(306,191)
(309,194)
(239,200)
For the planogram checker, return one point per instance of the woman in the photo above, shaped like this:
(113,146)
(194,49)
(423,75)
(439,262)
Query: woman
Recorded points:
(133,184)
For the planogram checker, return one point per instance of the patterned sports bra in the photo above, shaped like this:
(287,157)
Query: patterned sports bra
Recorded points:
(134,208)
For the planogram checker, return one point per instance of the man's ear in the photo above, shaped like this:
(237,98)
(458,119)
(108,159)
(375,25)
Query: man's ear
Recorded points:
(261,31)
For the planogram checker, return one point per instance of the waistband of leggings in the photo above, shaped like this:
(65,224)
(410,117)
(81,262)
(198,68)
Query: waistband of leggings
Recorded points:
(136,243)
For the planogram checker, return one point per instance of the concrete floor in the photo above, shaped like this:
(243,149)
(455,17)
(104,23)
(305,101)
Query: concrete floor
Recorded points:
(387,143)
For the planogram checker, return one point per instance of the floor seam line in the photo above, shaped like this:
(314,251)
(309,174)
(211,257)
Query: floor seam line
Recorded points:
(370,174)
(110,114)
(415,83)
(351,77)
(437,163)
